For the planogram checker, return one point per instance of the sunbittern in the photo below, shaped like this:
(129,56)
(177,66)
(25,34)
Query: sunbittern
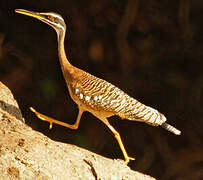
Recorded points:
(96,95)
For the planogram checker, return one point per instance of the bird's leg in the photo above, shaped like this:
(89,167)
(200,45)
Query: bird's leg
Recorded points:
(51,120)
(118,138)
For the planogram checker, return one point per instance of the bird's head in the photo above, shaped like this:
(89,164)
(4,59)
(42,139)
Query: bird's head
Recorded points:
(53,19)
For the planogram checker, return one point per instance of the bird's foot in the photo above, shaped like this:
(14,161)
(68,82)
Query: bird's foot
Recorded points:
(43,117)
(128,159)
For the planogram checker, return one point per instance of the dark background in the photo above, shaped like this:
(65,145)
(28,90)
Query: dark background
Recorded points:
(151,49)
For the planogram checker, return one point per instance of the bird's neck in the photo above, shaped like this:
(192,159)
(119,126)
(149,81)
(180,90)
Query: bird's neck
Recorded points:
(66,67)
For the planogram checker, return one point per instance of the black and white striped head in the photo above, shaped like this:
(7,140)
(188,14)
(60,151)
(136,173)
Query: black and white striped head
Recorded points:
(53,19)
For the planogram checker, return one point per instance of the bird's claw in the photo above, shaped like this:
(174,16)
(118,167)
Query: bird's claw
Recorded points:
(128,159)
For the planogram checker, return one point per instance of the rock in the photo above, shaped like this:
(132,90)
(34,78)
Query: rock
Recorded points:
(8,103)
(28,154)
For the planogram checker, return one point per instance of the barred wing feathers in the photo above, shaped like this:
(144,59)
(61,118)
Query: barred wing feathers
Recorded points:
(102,95)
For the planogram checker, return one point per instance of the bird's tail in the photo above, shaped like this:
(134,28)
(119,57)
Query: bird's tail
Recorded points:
(170,128)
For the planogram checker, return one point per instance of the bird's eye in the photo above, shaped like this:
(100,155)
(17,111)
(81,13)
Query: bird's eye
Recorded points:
(50,17)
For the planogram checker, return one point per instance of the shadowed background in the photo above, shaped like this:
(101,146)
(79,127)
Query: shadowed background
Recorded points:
(151,49)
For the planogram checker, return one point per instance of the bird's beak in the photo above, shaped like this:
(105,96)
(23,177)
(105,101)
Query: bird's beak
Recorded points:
(30,13)
(43,16)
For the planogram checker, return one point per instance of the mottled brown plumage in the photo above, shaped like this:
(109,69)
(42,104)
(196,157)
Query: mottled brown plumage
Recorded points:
(96,95)
(99,95)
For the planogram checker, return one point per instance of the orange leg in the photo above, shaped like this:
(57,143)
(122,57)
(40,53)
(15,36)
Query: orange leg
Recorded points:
(75,126)
(51,120)
(118,138)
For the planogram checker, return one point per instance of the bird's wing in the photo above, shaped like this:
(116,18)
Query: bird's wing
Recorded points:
(101,94)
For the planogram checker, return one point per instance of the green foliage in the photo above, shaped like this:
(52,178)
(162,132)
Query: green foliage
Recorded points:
(49,89)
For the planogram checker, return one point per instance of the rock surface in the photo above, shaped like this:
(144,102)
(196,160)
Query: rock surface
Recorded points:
(28,154)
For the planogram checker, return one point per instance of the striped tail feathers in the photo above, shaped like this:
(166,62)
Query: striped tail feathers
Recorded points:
(167,126)
(170,128)
(137,111)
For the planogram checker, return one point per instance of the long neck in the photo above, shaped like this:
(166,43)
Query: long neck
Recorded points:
(65,64)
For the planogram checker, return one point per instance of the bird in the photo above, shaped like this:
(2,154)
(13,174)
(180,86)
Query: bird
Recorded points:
(95,95)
